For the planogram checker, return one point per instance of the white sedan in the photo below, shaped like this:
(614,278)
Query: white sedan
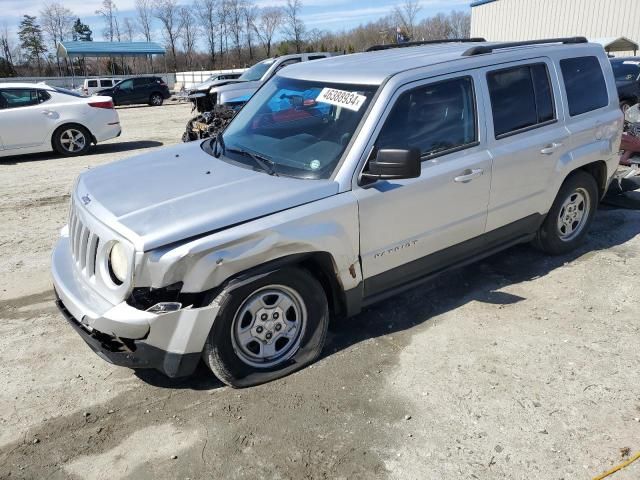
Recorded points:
(35,117)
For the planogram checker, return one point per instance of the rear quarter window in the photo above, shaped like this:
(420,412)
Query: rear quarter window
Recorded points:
(585,84)
(92,83)
(106,83)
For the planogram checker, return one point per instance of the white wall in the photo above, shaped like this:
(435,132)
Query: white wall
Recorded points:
(505,20)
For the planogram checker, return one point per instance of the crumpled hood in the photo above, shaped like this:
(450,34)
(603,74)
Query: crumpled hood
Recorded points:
(174,193)
(242,90)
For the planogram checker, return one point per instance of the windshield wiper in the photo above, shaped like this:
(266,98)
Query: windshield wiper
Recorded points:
(263,162)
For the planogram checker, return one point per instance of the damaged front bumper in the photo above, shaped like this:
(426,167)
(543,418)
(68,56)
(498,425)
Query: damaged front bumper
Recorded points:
(170,342)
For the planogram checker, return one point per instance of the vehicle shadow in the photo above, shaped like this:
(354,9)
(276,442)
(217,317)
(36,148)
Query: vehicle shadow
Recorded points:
(477,282)
(96,149)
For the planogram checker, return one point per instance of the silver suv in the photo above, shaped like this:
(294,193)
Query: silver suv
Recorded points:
(341,182)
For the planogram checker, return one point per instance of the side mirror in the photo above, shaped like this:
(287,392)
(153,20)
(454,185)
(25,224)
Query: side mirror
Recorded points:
(394,164)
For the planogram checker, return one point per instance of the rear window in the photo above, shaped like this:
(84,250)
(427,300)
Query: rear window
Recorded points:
(585,85)
(92,83)
(521,98)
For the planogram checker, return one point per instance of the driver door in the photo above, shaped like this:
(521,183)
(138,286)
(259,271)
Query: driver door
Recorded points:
(125,92)
(410,228)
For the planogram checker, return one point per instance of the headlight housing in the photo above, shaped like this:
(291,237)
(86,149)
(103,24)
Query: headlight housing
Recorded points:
(118,264)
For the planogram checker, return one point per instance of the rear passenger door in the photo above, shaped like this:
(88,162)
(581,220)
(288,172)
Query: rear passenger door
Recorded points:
(406,226)
(527,138)
(141,89)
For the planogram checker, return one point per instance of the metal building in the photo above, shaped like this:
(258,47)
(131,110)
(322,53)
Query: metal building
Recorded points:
(607,21)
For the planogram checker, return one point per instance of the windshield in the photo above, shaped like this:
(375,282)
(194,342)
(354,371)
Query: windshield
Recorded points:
(301,128)
(257,71)
(627,70)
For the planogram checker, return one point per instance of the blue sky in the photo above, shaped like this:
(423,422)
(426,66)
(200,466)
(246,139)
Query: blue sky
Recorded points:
(322,14)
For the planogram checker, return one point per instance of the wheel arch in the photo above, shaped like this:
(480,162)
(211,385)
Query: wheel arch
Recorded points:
(598,170)
(92,137)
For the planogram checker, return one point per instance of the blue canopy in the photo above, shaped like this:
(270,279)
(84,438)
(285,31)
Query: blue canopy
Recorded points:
(109,49)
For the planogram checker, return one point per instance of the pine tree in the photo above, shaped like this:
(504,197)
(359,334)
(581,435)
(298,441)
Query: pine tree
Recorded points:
(81,32)
(31,40)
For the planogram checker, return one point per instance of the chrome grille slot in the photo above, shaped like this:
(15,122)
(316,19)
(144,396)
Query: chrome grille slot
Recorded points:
(84,244)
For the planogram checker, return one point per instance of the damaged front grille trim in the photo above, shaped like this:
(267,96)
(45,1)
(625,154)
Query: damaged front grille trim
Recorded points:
(84,244)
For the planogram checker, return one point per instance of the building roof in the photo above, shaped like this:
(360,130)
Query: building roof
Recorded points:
(477,3)
(109,49)
(616,44)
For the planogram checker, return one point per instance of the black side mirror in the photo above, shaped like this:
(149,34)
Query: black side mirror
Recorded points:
(394,164)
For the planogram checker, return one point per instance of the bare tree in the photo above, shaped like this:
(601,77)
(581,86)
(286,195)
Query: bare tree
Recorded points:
(108,14)
(405,16)
(57,23)
(144,10)
(189,34)
(5,49)
(208,16)
(168,13)
(236,24)
(129,28)
(250,13)
(268,23)
(223,31)
(294,27)
(460,24)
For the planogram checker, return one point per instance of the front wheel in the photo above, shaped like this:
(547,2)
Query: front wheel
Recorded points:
(156,100)
(268,328)
(571,214)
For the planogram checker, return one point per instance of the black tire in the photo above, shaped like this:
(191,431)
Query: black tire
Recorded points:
(71,140)
(549,237)
(155,100)
(226,360)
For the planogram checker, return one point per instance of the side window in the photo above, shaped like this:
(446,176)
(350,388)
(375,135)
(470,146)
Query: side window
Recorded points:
(92,83)
(126,85)
(16,98)
(106,83)
(43,96)
(585,85)
(435,118)
(139,82)
(521,98)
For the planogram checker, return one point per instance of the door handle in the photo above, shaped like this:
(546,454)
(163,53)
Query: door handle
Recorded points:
(48,113)
(468,175)
(551,148)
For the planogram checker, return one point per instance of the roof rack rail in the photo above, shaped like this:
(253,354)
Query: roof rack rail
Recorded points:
(375,48)
(480,49)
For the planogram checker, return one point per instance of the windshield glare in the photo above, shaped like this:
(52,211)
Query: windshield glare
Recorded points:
(257,71)
(303,127)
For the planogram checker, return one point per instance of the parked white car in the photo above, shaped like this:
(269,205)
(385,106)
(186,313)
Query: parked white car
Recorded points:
(92,85)
(37,118)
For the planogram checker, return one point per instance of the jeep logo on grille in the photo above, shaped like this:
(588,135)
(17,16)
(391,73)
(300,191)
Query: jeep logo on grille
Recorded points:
(86,199)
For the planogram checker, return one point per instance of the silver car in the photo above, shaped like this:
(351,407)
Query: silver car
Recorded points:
(341,182)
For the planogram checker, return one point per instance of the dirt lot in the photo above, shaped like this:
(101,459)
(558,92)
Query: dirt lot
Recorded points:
(520,367)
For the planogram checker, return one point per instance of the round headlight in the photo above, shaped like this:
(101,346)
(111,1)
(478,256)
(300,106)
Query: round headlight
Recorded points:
(118,264)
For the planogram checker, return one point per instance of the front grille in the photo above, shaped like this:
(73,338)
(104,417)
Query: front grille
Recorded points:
(84,244)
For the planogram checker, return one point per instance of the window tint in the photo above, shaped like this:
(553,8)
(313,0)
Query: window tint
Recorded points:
(43,96)
(17,97)
(287,63)
(434,118)
(521,97)
(126,85)
(138,82)
(585,85)
(92,83)
(106,83)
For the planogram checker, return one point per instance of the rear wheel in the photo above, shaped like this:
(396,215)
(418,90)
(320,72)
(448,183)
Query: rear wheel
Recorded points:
(571,214)
(268,328)
(155,100)
(71,140)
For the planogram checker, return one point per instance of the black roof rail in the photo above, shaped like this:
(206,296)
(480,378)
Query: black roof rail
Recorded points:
(480,49)
(375,48)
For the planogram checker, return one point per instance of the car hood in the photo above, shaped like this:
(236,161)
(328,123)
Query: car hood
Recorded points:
(235,90)
(104,91)
(180,192)
(205,86)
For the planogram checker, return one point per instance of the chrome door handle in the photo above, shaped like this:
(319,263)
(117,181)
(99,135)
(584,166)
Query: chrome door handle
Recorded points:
(468,175)
(48,113)
(549,149)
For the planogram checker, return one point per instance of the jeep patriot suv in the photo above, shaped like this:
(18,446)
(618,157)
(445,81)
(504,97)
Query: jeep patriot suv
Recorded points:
(341,182)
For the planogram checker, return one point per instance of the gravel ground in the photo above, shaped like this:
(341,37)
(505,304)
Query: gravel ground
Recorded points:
(522,366)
